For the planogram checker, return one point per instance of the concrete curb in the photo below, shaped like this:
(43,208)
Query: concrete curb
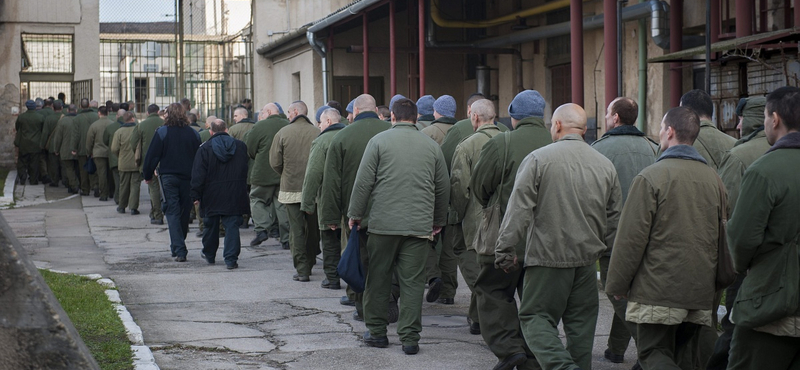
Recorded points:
(8,190)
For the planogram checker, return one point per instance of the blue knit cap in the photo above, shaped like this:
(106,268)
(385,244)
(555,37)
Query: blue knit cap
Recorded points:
(528,103)
(349,108)
(425,105)
(280,109)
(319,112)
(30,104)
(394,99)
(445,105)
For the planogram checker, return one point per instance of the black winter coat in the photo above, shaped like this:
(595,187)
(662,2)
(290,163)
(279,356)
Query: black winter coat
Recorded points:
(219,177)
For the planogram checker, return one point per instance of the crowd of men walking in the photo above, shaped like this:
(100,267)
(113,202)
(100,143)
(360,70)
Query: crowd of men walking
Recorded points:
(528,214)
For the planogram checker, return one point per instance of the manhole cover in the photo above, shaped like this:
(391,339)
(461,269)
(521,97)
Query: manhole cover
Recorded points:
(444,321)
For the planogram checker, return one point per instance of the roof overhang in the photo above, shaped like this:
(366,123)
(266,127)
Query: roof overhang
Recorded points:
(286,43)
(742,43)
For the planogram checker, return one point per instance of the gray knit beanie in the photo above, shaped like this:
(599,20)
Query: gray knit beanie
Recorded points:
(445,105)
(319,112)
(394,99)
(528,103)
(280,109)
(425,105)
(30,104)
(349,108)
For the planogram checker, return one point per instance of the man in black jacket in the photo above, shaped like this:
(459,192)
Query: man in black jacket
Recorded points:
(219,186)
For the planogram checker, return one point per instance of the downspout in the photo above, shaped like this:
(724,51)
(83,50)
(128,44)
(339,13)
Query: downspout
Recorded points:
(319,48)
(643,75)
(365,53)
(610,53)
(675,41)
(130,81)
(392,52)
(576,49)
(421,42)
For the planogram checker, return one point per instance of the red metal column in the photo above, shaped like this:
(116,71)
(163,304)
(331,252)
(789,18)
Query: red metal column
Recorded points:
(744,17)
(576,49)
(675,44)
(610,51)
(365,52)
(421,41)
(796,14)
(716,27)
(392,62)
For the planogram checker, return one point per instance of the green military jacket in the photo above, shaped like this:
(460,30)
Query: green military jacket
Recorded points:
(63,138)
(48,130)
(665,253)
(46,111)
(341,165)
(259,141)
(143,133)
(763,231)
(108,135)
(123,149)
(238,130)
(424,121)
(439,128)
(712,143)
(564,183)
(288,156)
(402,183)
(460,131)
(29,132)
(462,202)
(736,161)
(195,126)
(629,150)
(112,116)
(205,135)
(312,183)
(95,144)
(83,120)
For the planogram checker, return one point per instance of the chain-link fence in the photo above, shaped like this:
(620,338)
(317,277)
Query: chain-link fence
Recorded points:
(168,50)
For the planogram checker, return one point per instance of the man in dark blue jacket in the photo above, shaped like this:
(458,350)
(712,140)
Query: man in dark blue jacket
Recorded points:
(219,186)
(172,151)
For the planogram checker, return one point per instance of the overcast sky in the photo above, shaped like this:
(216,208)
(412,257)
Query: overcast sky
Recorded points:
(137,10)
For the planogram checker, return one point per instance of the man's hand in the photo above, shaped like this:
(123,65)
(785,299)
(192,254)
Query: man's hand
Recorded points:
(74,152)
(197,202)
(506,262)
(436,230)
(354,222)
(333,227)
(620,297)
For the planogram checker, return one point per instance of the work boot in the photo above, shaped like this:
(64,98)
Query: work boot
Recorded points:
(261,237)
(380,342)
(434,288)
(511,361)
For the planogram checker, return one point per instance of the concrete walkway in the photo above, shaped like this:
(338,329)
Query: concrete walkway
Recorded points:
(199,316)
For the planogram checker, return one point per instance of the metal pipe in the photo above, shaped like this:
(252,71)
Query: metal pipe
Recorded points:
(421,42)
(392,52)
(610,56)
(675,44)
(454,50)
(508,18)
(576,49)
(482,80)
(744,18)
(708,47)
(642,124)
(181,82)
(518,71)
(320,49)
(365,53)
(715,23)
(796,15)
(619,45)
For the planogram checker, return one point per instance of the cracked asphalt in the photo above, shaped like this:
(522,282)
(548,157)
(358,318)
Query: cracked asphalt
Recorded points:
(199,316)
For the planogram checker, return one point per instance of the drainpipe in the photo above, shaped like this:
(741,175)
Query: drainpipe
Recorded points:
(392,52)
(365,53)
(708,47)
(319,48)
(421,42)
(642,76)
(744,17)
(130,80)
(675,45)
(619,45)
(796,15)
(576,49)
(610,57)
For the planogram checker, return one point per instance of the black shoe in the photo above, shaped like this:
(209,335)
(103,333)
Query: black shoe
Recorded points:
(327,284)
(434,288)
(120,210)
(260,238)
(474,327)
(72,191)
(298,277)
(54,184)
(233,266)
(275,234)
(199,233)
(244,226)
(380,342)
(637,366)
(156,222)
(610,356)
(286,246)
(85,193)
(393,312)
(96,193)
(411,350)
(344,301)
(134,212)
(103,199)
(357,317)
(180,259)
(209,260)
(34,183)
(511,361)
(445,301)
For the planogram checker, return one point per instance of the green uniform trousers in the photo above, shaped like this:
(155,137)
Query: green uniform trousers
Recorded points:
(155,199)
(331,253)
(43,165)
(443,263)
(620,335)
(28,167)
(407,254)
(468,263)
(667,347)
(129,183)
(266,211)
(102,175)
(88,182)
(115,177)
(304,240)
(568,295)
(53,168)
(497,308)
(753,350)
(68,171)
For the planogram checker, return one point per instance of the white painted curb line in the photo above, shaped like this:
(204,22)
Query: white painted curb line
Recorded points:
(8,190)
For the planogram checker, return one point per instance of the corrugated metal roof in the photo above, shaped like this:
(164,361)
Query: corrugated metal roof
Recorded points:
(747,42)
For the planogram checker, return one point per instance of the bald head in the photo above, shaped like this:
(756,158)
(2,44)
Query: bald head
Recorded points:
(297,108)
(481,113)
(268,110)
(239,114)
(364,103)
(218,126)
(209,120)
(568,119)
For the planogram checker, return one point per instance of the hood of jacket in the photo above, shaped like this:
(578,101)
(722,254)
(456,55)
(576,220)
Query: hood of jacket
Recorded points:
(223,146)
(753,114)
(624,130)
(682,152)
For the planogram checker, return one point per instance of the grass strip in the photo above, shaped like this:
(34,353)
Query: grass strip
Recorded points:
(98,324)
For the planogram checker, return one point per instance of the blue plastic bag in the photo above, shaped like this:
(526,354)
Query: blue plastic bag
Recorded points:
(350,268)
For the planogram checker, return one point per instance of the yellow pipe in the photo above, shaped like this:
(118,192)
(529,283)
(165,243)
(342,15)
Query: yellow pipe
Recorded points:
(446,23)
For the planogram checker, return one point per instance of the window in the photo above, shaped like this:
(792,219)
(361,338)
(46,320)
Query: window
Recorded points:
(296,86)
(46,53)
(165,86)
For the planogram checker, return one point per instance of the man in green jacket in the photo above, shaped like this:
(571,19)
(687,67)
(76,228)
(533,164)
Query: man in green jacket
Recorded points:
(141,137)
(264,181)
(341,164)
(763,239)
(45,111)
(463,202)
(664,259)
(48,132)
(444,110)
(86,116)
(565,229)
(288,156)
(29,143)
(129,171)
(312,191)
(491,183)
(62,142)
(99,150)
(711,143)
(399,165)
(630,151)
(425,111)
(113,161)
(238,131)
